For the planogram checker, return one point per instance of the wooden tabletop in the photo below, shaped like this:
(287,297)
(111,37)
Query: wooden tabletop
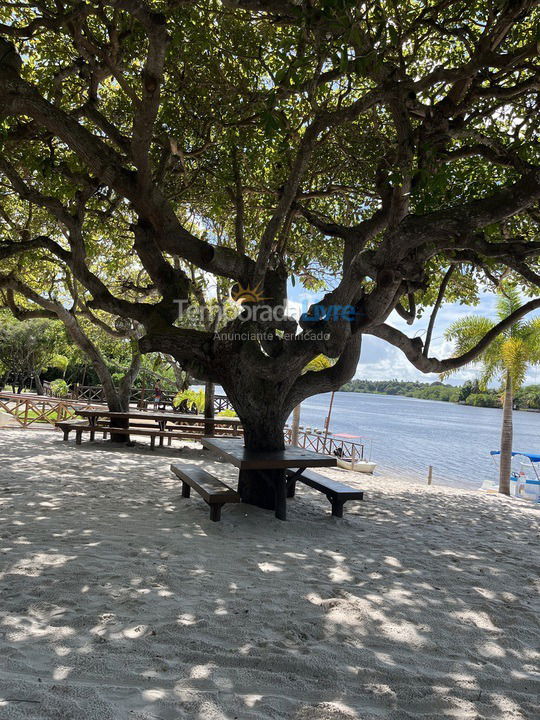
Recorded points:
(233,450)
(157,416)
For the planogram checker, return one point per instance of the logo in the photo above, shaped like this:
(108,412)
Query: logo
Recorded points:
(247,294)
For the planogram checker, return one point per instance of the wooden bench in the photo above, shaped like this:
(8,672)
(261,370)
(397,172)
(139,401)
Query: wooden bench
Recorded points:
(336,492)
(79,426)
(172,432)
(214,492)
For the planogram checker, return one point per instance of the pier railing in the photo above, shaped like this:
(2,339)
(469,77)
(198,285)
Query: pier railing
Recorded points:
(328,444)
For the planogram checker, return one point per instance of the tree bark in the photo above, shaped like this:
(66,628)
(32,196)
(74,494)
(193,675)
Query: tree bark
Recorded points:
(181,378)
(261,408)
(39,384)
(209,408)
(126,383)
(295,424)
(506,437)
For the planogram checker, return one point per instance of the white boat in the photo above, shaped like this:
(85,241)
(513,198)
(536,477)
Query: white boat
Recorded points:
(363,466)
(524,484)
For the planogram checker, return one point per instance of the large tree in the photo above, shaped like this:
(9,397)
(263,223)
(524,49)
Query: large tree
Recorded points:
(392,144)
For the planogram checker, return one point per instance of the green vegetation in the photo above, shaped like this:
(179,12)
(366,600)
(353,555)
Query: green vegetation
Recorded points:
(526,398)
(425,391)
(228,412)
(192,400)
(60,388)
(52,416)
(27,350)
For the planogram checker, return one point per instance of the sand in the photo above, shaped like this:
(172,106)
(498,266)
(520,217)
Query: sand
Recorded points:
(121,601)
(7,420)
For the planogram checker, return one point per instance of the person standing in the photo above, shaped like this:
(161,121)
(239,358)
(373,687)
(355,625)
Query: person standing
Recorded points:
(158,392)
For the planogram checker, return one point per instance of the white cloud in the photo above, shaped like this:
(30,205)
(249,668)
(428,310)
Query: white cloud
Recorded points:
(381,361)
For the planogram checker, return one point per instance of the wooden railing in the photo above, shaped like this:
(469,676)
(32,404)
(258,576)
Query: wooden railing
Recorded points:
(139,396)
(328,444)
(222,402)
(30,409)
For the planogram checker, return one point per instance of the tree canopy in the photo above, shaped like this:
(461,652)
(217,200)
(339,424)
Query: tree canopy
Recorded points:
(386,152)
(27,349)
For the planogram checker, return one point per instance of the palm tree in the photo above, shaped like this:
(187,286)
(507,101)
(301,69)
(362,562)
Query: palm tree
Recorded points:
(506,358)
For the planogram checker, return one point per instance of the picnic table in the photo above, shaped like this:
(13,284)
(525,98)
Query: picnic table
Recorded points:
(271,463)
(161,419)
(157,425)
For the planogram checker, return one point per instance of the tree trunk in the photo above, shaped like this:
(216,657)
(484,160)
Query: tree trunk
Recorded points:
(209,427)
(264,432)
(181,378)
(263,419)
(39,384)
(506,438)
(126,383)
(295,424)
(115,402)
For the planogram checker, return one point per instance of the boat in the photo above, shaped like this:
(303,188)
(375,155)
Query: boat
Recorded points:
(525,484)
(355,463)
(349,453)
(363,466)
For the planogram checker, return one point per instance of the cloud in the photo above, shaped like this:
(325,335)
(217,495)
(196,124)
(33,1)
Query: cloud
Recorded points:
(381,361)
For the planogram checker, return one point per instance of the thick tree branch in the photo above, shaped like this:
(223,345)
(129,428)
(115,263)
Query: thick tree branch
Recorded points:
(438,302)
(413,348)
(21,98)
(329,379)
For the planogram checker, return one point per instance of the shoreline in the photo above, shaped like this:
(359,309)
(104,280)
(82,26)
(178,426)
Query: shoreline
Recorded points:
(433,400)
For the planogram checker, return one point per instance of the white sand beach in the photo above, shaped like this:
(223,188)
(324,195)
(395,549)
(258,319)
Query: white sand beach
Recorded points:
(121,601)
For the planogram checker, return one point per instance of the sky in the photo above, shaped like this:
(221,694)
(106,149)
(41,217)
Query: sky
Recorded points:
(381,361)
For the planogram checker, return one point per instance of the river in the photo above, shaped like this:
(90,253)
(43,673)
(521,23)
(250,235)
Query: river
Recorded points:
(407,435)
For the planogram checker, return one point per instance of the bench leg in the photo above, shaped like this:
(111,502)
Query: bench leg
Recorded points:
(215,512)
(337,506)
(152,442)
(291,483)
(281,495)
(78,437)
(66,435)
(186,490)
(92,434)
(169,441)
(161,439)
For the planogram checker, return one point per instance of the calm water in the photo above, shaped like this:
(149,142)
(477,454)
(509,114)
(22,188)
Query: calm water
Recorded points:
(409,434)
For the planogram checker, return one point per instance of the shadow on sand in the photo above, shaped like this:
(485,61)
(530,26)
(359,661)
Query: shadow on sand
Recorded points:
(120,600)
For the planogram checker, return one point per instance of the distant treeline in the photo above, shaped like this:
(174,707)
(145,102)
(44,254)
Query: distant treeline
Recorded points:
(527,398)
